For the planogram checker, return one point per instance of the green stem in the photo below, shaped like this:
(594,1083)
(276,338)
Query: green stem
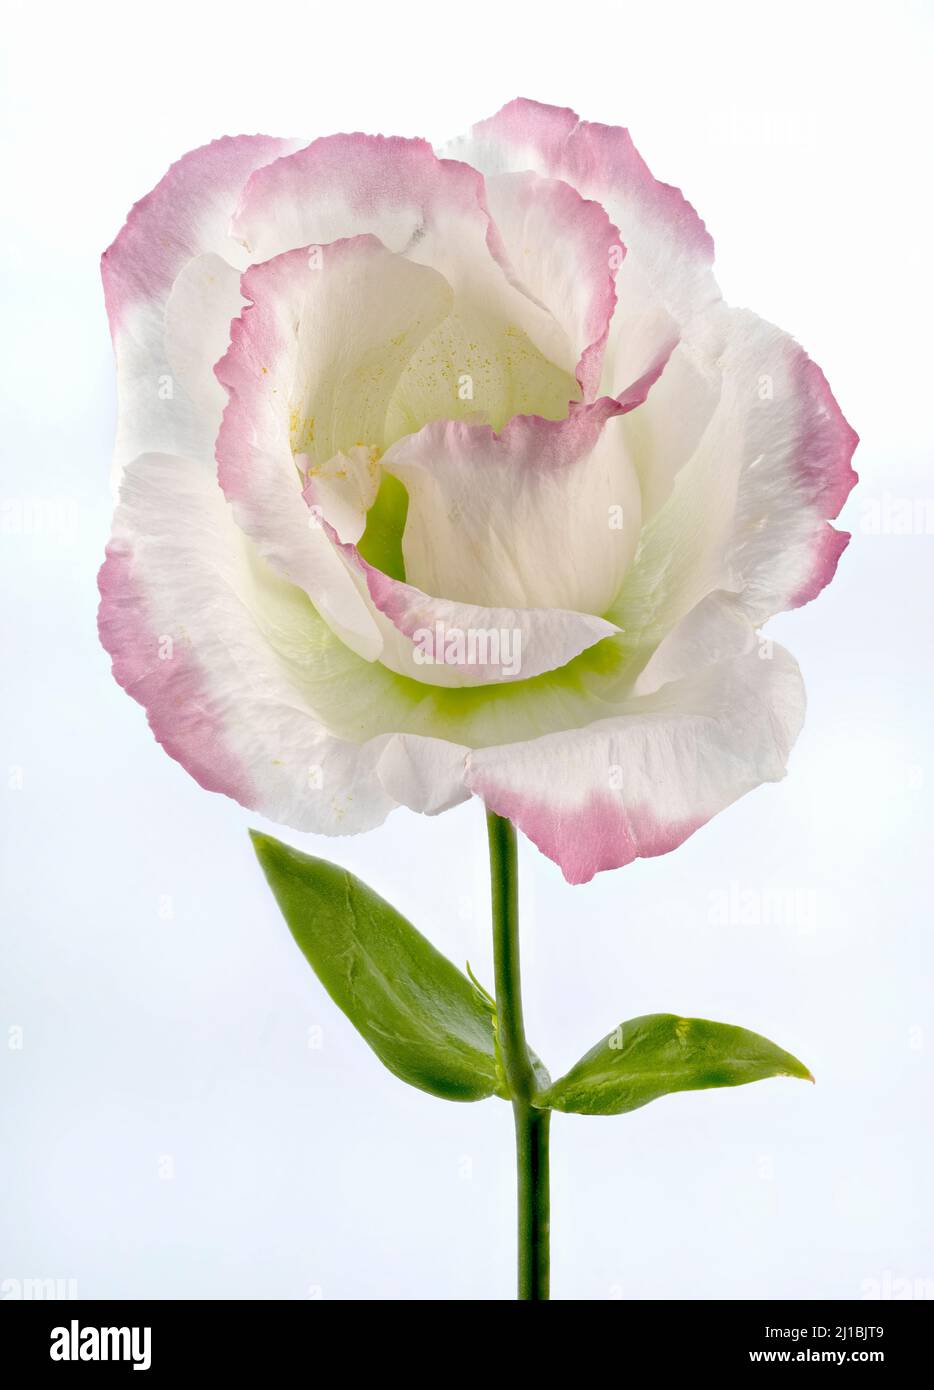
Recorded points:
(531,1124)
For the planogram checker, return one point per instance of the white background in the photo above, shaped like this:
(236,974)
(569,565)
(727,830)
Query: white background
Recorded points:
(165,1010)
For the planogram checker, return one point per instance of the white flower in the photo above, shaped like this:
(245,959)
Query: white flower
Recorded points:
(452,475)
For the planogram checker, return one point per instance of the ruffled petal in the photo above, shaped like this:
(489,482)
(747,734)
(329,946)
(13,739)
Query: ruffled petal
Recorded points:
(242,682)
(443,642)
(311,367)
(215,647)
(565,251)
(666,276)
(499,351)
(543,514)
(748,511)
(639,784)
(187,215)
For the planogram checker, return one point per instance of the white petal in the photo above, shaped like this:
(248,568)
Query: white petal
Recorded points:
(566,252)
(202,303)
(442,642)
(747,512)
(544,514)
(425,774)
(640,783)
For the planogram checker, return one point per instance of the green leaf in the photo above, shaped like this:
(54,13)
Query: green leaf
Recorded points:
(658,1054)
(424,1020)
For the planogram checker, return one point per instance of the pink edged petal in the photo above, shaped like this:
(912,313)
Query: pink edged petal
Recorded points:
(795,470)
(656,223)
(825,442)
(825,445)
(639,784)
(216,648)
(341,186)
(747,512)
(566,252)
(431,211)
(442,642)
(504,518)
(171,688)
(666,276)
(187,215)
(829,545)
(311,367)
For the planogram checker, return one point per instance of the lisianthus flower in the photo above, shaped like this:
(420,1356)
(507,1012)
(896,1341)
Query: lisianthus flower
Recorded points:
(450,473)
